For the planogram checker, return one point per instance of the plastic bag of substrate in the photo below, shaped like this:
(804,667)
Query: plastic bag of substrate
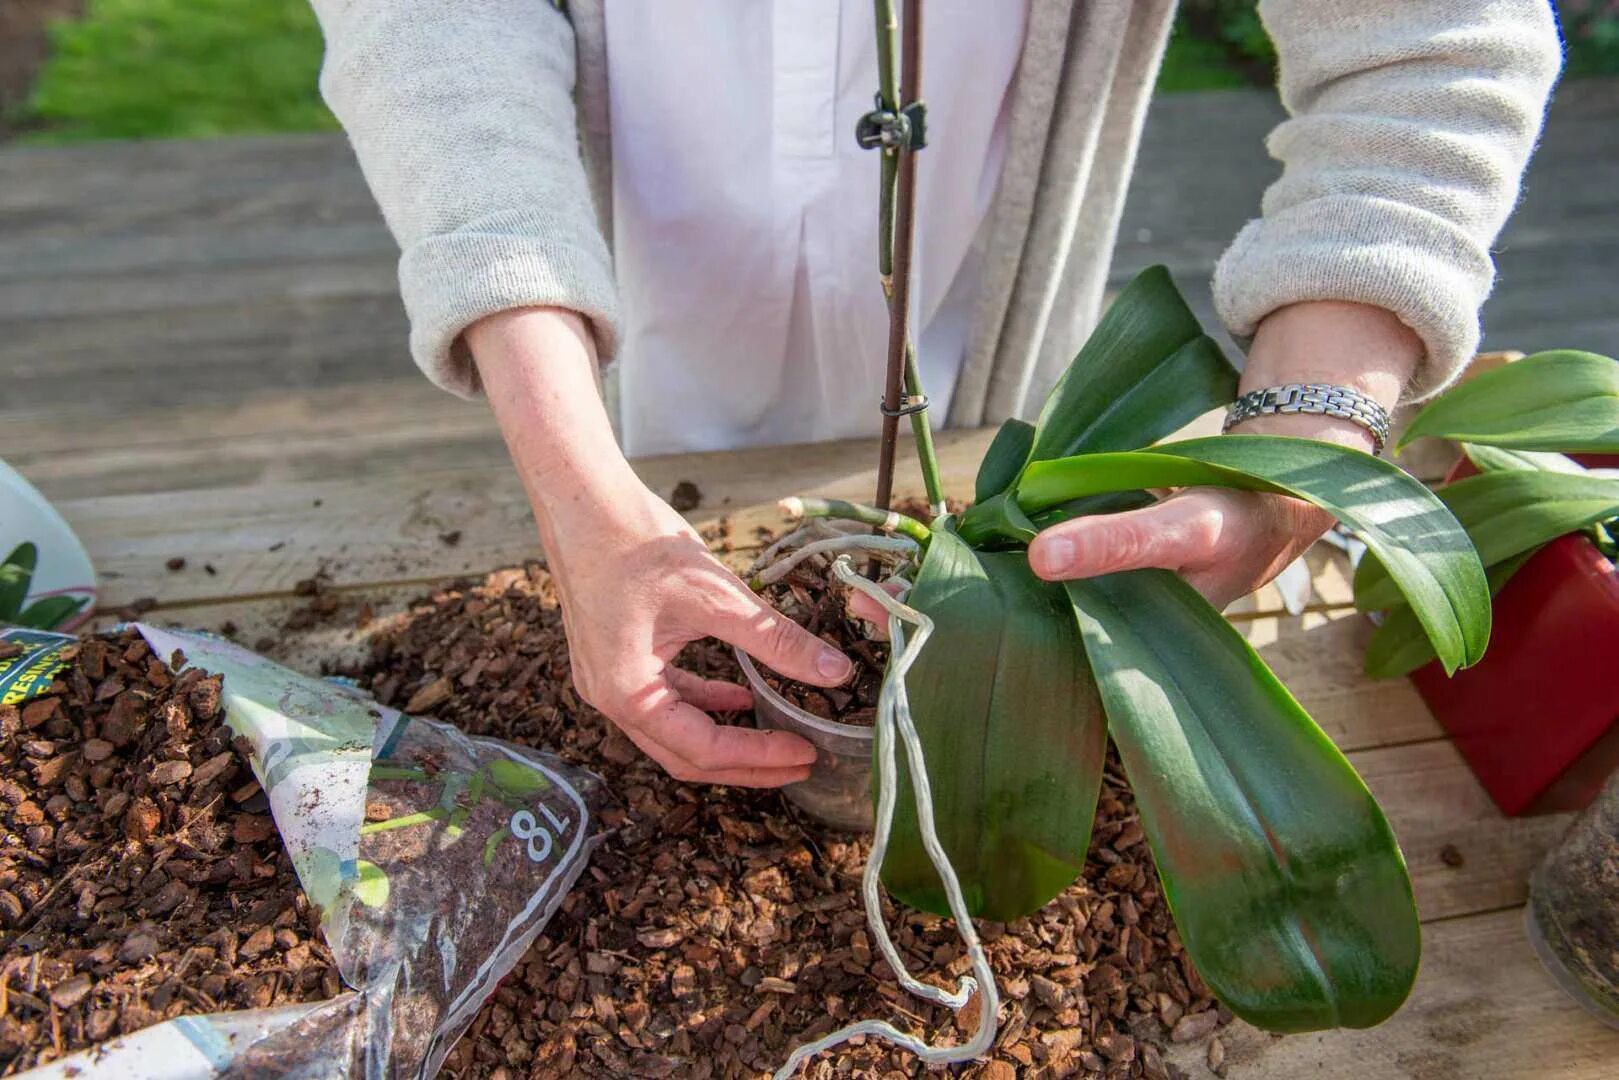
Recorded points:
(29,660)
(435,859)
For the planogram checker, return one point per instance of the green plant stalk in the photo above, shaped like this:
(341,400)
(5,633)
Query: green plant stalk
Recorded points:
(888,94)
(493,842)
(889,520)
(397,772)
(404,822)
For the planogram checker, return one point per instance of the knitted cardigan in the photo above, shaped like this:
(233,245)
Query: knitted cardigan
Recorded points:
(482,129)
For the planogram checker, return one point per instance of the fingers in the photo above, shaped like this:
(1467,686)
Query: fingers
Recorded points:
(710,695)
(1187,530)
(692,747)
(742,619)
(862,606)
(689,745)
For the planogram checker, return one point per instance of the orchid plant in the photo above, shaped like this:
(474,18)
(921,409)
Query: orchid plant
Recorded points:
(1287,886)
(1285,881)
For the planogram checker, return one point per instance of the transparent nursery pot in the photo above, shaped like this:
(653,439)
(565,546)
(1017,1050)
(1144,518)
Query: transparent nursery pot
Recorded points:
(838,791)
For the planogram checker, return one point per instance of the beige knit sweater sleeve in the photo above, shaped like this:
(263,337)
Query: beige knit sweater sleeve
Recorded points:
(509,226)
(1410,125)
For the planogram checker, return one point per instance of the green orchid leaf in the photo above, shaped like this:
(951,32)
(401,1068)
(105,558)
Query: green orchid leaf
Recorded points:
(1400,520)
(1012,731)
(1505,514)
(16,574)
(1111,502)
(1399,646)
(1284,878)
(1146,371)
(1003,460)
(1564,400)
(997,522)
(51,612)
(1501,459)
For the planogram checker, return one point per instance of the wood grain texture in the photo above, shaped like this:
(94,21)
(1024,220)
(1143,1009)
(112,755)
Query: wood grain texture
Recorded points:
(1482,1009)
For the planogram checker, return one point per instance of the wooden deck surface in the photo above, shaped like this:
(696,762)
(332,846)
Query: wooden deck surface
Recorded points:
(201,356)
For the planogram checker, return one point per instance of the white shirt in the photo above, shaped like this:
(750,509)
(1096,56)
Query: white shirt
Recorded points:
(745,215)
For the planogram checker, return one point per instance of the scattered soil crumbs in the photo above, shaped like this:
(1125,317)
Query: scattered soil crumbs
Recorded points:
(135,883)
(713,931)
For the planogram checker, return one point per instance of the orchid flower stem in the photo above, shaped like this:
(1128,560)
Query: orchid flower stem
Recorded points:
(887,520)
(895,226)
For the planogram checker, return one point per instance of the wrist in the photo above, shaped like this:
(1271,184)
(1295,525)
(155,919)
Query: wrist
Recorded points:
(1359,346)
(1363,348)
(538,369)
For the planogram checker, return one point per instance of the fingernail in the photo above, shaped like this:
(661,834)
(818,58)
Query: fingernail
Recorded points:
(833,664)
(1056,555)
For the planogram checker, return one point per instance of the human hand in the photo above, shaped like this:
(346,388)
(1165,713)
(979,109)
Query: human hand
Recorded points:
(1229,543)
(636,586)
(635,582)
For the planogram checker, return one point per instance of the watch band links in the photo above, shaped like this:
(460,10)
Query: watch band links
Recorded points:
(1321,399)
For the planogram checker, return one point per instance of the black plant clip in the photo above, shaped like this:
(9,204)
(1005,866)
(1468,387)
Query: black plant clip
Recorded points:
(914,403)
(886,129)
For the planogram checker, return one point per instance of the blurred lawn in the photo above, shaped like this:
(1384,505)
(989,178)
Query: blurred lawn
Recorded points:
(191,68)
(180,69)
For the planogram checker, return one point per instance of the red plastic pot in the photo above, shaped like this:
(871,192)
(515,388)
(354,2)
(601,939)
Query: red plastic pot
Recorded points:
(1538,718)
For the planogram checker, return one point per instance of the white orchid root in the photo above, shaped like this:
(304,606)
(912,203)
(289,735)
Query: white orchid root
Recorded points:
(902,545)
(894,719)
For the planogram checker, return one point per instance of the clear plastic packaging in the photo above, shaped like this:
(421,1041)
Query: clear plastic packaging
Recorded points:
(435,859)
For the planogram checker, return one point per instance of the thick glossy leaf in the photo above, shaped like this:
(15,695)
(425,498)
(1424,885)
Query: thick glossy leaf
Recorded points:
(15,575)
(1505,513)
(1399,646)
(1112,502)
(997,522)
(1400,521)
(1285,881)
(1501,459)
(1004,459)
(1145,371)
(1012,731)
(1563,400)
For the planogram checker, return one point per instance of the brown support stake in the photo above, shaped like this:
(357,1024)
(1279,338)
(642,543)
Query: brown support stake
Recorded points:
(899,310)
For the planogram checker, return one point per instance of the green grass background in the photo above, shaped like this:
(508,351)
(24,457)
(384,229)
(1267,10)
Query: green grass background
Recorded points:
(180,69)
(194,68)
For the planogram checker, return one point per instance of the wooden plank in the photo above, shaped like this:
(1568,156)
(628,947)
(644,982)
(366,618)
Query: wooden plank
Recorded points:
(358,432)
(367,532)
(1433,800)
(191,288)
(1483,1009)
(374,528)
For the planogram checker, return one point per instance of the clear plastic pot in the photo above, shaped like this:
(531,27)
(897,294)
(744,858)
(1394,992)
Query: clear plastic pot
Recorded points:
(838,791)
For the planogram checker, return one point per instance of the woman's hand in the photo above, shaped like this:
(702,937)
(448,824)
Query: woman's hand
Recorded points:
(636,583)
(1229,543)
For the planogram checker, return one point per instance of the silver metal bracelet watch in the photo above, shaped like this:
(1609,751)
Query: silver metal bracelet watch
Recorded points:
(1322,399)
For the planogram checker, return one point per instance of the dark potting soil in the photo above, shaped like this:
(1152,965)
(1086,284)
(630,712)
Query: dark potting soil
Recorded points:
(136,883)
(714,929)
